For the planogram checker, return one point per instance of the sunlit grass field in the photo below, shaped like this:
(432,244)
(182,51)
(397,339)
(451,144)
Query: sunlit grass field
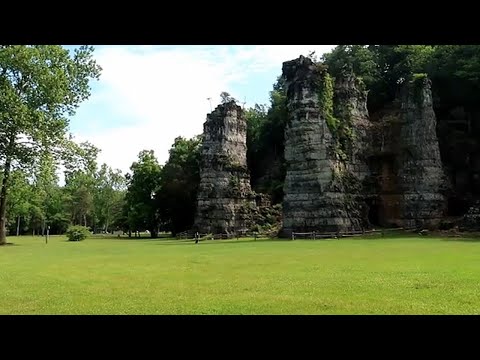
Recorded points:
(372,275)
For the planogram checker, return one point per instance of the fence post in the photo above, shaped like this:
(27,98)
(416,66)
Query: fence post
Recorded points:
(293,235)
(314,237)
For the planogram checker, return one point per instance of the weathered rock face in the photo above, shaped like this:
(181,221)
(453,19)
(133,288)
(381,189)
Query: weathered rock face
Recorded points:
(225,202)
(459,138)
(353,134)
(471,220)
(406,160)
(315,195)
(350,104)
(421,178)
(268,218)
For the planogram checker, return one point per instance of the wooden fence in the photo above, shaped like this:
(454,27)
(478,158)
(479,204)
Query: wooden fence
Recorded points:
(295,235)
(336,235)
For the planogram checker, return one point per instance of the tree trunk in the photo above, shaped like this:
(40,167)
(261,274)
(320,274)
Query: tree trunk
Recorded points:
(3,202)
(153,234)
(18,225)
(107,217)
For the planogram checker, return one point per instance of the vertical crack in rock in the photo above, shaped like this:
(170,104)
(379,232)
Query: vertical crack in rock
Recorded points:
(352,137)
(350,104)
(316,198)
(421,178)
(225,201)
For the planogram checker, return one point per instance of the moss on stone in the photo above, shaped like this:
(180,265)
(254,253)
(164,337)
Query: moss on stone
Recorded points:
(325,98)
(418,83)
(340,124)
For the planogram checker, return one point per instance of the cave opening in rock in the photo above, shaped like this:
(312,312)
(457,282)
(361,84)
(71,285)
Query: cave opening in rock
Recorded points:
(456,206)
(373,212)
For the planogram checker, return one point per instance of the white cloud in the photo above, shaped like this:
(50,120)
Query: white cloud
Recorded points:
(164,91)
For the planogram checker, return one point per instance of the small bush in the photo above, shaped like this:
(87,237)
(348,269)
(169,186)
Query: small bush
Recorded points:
(77,233)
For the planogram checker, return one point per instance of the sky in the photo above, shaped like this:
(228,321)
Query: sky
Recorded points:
(148,95)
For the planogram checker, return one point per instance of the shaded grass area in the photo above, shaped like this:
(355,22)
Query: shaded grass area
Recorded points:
(371,275)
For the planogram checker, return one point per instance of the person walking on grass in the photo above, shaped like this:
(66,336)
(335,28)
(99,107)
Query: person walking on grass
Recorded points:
(196,237)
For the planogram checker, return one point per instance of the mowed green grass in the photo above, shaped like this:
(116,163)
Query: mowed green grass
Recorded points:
(395,275)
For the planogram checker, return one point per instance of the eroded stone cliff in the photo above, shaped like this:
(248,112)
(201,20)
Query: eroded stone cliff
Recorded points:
(421,177)
(406,162)
(346,173)
(225,201)
(319,179)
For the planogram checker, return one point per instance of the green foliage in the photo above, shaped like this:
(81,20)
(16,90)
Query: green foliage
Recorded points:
(416,78)
(381,67)
(39,86)
(265,143)
(176,196)
(77,233)
(140,204)
(325,98)
(360,58)
(418,84)
(226,97)
(80,183)
(108,196)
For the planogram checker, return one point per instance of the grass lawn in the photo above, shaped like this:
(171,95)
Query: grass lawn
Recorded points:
(395,275)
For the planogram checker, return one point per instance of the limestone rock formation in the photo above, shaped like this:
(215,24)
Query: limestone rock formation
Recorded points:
(421,177)
(350,104)
(225,201)
(353,136)
(406,160)
(315,197)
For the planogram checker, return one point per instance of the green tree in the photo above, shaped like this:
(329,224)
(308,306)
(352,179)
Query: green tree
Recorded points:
(39,86)
(265,139)
(140,201)
(44,187)
(80,181)
(177,194)
(109,195)
(20,200)
(226,97)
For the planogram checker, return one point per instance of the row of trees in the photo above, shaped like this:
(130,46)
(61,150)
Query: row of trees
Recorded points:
(91,196)
(151,197)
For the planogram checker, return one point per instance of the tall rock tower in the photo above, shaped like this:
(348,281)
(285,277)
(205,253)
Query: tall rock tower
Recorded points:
(225,201)
(406,159)
(421,177)
(318,182)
